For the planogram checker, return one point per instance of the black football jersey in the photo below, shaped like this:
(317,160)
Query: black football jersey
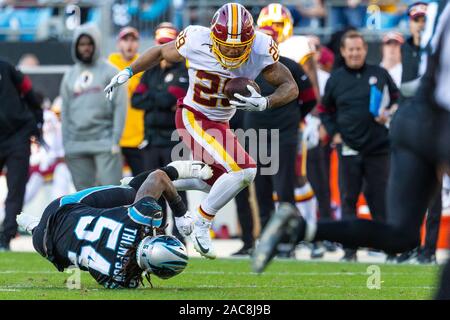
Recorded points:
(96,240)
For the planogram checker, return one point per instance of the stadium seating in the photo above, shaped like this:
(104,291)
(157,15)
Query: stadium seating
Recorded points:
(22,23)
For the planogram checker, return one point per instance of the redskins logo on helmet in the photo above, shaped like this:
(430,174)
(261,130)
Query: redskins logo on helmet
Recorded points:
(232,35)
(279,18)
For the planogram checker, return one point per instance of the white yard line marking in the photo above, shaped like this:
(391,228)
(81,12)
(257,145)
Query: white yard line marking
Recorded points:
(9,290)
(26,272)
(309,288)
(387,273)
(26,287)
(299,273)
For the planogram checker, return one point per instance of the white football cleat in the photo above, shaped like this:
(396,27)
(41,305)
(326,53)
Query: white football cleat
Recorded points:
(27,222)
(192,169)
(201,237)
(185,224)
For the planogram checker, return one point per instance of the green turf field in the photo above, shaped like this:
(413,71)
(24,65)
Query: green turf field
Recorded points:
(28,276)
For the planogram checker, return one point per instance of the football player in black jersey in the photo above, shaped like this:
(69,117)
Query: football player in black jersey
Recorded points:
(111,231)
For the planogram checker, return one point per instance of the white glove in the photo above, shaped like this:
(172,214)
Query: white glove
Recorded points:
(185,224)
(310,134)
(118,80)
(255,102)
(192,169)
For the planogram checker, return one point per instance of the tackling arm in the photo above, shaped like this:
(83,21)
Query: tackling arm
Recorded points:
(157,184)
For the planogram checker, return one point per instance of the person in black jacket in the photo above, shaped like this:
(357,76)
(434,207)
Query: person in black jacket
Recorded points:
(352,114)
(411,51)
(157,94)
(20,113)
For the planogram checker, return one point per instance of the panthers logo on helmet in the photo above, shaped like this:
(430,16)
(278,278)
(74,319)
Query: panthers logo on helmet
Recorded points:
(163,256)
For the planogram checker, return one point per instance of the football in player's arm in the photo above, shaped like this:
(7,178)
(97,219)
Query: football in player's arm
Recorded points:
(276,74)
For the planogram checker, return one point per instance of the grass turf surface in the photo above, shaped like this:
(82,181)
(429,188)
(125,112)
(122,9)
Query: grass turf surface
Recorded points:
(29,276)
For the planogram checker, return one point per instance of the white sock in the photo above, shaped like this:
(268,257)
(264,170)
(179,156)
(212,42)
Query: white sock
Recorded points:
(306,203)
(226,188)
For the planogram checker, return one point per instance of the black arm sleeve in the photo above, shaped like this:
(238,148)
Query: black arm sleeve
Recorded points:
(137,181)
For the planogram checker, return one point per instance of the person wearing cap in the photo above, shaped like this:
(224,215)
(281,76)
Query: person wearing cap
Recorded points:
(133,133)
(392,55)
(411,48)
(156,95)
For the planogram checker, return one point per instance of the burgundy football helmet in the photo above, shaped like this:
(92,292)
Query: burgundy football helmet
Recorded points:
(232,34)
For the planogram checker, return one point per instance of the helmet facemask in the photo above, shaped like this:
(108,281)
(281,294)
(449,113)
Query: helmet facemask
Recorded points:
(227,61)
(232,30)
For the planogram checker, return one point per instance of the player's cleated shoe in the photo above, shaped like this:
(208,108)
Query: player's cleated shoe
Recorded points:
(285,222)
(427,259)
(317,250)
(4,244)
(192,169)
(27,222)
(391,258)
(408,256)
(330,246)
(246,250)
(4,247)
(350,255)
(185,224)
(201,237)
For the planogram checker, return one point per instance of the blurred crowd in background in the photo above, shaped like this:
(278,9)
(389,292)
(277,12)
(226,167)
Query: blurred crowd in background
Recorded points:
(29,20)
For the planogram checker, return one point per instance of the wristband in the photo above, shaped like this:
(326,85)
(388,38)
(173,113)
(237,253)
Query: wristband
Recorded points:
(130,71)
